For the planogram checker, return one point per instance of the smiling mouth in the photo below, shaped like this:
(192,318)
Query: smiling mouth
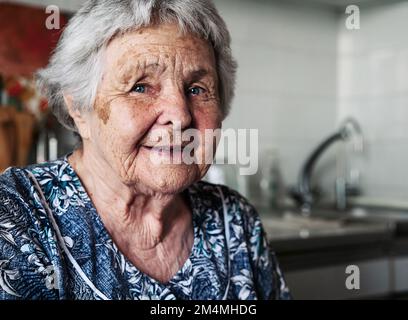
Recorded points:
(165,148)
(167,151)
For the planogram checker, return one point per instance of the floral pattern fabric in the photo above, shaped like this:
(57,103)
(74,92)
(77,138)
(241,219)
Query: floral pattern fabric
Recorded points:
(70,255)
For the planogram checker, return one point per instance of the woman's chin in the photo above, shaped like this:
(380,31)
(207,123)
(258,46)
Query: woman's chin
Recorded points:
(170,179)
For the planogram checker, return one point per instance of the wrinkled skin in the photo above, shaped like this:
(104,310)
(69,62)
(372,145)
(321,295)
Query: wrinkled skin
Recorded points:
(153,78)
(124,119)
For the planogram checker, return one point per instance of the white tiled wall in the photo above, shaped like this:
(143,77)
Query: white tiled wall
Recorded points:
(373,87)
(301,72)
(286,77)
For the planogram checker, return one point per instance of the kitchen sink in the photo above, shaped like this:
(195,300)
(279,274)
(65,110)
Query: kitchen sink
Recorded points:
(322,223)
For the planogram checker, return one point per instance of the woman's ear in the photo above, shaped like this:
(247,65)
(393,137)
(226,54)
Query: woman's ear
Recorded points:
(79,119)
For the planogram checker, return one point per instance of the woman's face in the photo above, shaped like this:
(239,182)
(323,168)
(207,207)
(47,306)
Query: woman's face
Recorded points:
(154,79)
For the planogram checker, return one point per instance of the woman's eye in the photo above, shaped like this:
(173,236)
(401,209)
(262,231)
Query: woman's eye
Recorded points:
(139,88)
(195,91)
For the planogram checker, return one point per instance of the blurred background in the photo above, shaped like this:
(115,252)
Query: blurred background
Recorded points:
(330,103)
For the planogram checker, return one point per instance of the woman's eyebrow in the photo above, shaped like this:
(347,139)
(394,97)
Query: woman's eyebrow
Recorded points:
(133,70)
(198,74)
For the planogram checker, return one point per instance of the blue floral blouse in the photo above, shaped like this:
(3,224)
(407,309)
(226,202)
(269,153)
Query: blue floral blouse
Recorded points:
(53,245)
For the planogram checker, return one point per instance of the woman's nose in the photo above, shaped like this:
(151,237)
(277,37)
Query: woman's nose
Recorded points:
(174,108)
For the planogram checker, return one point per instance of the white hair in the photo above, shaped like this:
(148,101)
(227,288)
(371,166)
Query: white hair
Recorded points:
(75,66)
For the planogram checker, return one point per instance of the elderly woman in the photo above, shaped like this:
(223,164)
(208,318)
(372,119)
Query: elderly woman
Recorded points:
(109,221)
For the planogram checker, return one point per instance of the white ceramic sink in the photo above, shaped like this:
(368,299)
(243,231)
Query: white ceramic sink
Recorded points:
(294,225)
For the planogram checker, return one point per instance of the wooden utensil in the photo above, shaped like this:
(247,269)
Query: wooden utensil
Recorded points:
(24,124)
(16,137)
(8,137)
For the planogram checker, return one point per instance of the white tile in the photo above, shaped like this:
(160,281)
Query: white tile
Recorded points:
(279,23)
(273,70)
(385,168)
(382,119)
(288,117)
(382,26)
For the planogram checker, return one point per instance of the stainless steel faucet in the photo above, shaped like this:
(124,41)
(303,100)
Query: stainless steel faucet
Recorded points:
(349,129)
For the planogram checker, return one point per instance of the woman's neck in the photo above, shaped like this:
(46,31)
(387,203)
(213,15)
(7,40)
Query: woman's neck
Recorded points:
(135,220)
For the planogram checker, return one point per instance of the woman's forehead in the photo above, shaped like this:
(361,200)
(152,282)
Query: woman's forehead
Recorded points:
(147,55)
(157,61)
(159,42)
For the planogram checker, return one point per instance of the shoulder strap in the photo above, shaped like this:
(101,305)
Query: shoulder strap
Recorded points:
(61,239)
(227,240)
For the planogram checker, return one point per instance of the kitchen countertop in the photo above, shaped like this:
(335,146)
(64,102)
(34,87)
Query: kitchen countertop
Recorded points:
(314,252)
(288,231)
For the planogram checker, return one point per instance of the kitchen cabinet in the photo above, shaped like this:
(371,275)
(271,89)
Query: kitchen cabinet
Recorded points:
(329,282)
(314,255)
